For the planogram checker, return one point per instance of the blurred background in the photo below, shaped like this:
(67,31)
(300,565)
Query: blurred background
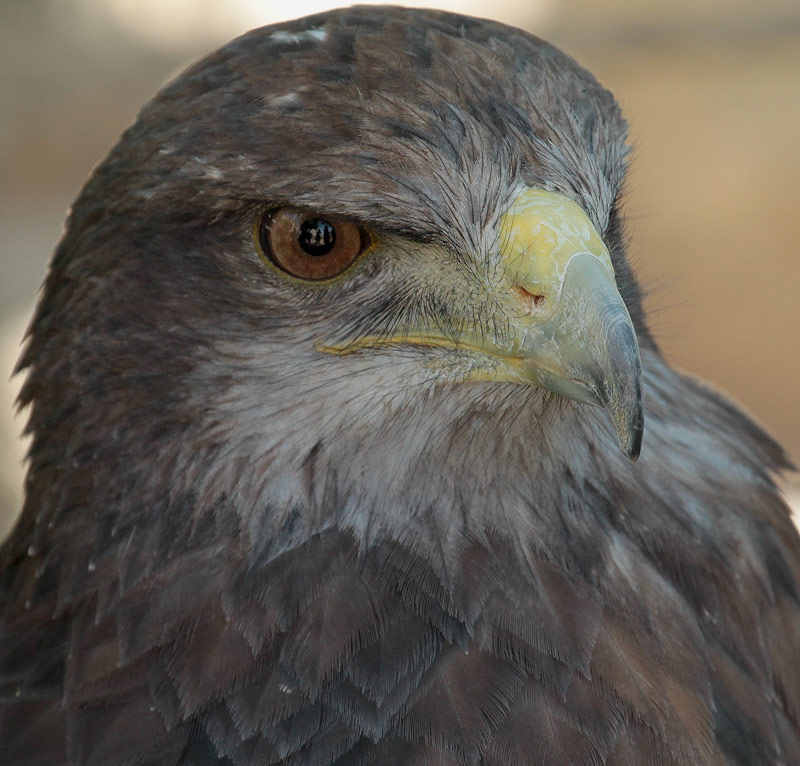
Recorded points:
(711,91)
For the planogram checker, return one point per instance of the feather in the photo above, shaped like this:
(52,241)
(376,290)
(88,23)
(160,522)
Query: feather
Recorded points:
(237,548)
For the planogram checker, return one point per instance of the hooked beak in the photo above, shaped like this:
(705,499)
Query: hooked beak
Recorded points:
(587,350)
(577,336)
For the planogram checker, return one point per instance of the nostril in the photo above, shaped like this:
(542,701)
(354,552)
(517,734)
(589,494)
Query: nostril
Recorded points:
(532,303)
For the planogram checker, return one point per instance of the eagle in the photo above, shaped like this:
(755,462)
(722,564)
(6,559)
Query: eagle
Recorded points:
(351,445)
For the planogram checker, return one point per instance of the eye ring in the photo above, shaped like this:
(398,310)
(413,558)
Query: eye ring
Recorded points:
(307,245)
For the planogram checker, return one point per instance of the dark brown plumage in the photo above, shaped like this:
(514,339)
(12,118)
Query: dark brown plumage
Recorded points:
(251,536)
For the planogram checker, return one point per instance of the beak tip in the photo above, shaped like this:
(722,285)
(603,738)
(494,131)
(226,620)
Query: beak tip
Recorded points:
(625,410)
(631,431)
(632,446)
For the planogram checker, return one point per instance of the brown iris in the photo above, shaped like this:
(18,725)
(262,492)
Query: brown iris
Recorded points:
(309,246)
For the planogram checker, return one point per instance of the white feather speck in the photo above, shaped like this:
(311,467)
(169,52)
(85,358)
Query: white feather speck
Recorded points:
(284,100)
(320,35)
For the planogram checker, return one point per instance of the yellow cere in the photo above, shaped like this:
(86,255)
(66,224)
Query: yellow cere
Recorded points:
(540,233)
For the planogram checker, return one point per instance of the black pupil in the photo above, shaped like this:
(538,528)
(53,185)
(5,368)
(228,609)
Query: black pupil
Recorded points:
(316,237)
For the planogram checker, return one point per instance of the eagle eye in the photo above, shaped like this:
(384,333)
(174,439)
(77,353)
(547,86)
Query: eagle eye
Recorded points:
(307,246)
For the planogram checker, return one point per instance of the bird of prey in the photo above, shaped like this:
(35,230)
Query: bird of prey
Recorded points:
(337,384)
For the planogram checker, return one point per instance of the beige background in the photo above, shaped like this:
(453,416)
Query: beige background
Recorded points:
(711,91)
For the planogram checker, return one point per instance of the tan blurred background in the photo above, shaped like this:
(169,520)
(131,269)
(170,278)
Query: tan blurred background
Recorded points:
(711,91)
